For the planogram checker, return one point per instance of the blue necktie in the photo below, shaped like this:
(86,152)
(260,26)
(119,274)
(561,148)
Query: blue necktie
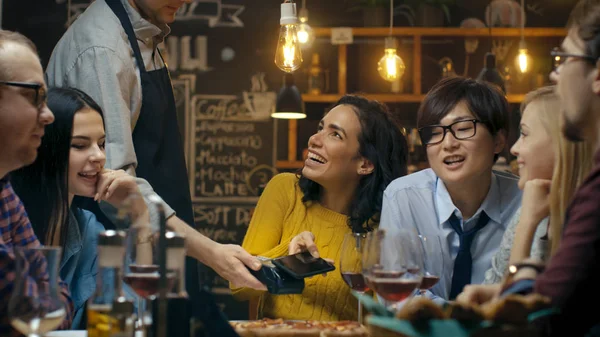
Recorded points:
(464,262)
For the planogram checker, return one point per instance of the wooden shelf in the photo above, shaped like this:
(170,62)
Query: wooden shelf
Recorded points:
(414,94)
(286,164)
(448,31)
(388,98)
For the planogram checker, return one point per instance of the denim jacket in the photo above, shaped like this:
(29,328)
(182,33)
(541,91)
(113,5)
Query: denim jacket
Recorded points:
(79,266)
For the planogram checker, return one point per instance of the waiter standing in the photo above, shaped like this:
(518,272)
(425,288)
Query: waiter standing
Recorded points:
(110,52)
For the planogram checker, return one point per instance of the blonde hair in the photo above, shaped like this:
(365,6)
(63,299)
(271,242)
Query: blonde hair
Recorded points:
(572,161)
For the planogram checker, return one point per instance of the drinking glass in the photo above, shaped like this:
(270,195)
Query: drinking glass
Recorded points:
(140,269)
(35,306)
(398,271)
(351,264)
(140,266)
(433,263)
(370,259)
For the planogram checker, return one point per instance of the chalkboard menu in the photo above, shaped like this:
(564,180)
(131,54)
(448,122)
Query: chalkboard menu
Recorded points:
(224,82)
(230,151)
(231,146)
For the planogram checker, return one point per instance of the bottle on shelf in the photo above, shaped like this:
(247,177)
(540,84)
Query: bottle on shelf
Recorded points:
(318,78)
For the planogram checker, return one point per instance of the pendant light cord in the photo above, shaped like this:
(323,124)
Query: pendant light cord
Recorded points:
(391,16)
(522,20)
(489,19)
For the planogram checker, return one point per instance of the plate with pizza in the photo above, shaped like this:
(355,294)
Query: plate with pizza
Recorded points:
(294,328)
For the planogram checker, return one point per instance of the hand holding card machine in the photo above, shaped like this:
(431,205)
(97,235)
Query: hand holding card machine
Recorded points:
(285,275)
(277,281)
(303,265)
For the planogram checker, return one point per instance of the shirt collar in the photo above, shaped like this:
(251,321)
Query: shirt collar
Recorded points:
(143,29)
(491,204)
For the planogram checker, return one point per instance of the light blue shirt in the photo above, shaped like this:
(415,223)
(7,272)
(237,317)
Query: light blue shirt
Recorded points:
(421,202)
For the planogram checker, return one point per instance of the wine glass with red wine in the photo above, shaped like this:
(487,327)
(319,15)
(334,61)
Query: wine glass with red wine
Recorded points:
(368,262)
(351,264)
(398,272)
(141,268)
(371,258)
(433,264)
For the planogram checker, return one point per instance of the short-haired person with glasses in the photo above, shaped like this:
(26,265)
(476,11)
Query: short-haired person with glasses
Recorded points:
(23,117)
(463,123)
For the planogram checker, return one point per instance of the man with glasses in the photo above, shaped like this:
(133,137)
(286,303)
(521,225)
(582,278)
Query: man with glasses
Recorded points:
(23,116)
(572,276)
(463,124)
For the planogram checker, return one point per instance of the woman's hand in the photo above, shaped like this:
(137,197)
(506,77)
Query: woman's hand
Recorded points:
(302,242)
(535,203)
(305,241)
(115,186)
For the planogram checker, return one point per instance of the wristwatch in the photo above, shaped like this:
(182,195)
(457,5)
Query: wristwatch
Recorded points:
(514,268)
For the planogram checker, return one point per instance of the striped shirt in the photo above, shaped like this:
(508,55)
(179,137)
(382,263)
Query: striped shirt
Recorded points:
(16,231)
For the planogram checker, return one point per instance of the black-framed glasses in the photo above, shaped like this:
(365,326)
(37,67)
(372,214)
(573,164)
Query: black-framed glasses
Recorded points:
(40,92)
(435,134)
(559,58)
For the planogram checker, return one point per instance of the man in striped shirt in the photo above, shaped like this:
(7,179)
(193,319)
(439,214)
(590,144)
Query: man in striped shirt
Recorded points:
(23,116)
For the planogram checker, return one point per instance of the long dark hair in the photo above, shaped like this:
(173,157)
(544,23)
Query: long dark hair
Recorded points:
(44,186)
(382,143)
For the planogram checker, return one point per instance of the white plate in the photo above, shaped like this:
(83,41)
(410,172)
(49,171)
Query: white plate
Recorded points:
(67,333)
(76,333)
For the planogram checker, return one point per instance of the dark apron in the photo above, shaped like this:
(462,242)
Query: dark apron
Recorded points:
(158,146)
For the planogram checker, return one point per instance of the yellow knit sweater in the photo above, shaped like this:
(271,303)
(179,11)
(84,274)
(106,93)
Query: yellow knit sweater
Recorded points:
(279,216)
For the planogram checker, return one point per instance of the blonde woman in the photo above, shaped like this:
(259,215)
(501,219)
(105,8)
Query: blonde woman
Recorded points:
(550,169)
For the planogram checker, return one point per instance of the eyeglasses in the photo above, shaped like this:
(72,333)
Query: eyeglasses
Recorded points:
(40,93)
(559,58)
(435,134)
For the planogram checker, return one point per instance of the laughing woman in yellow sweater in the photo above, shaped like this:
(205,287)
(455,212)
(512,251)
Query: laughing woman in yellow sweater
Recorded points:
(357,151)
